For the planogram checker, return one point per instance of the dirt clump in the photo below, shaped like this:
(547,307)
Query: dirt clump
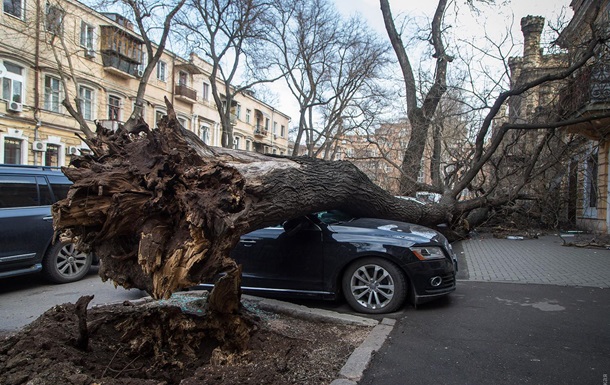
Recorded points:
(165,343)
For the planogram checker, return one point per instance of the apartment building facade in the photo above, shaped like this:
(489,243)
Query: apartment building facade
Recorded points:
(103,59)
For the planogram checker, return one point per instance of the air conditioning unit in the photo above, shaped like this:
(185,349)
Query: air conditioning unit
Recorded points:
(90,53)
(39,146)
(14,106)
(140,73)
(72,150)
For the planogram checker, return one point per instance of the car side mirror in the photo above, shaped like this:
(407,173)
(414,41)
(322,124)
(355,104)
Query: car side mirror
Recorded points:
(293,226)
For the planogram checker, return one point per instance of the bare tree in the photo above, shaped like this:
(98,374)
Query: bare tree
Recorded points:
(331,64)
(230,34)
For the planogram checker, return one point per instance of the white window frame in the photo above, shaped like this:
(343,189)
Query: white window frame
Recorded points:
(162,71)
(157,112)
(248,113)
(83,100)
(87,36)
(236,142)
(204,133)
(21,16)
(52,96)
(15,134)
(54,19)
(61,151)
(12,77)
(119,106)
(205,91)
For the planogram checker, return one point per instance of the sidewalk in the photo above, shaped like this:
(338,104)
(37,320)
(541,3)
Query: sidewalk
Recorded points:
(540,261)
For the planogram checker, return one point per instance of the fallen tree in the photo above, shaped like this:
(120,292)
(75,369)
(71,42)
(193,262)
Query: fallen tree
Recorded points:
(162,210)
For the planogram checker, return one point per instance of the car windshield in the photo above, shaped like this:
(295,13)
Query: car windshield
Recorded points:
(333,217)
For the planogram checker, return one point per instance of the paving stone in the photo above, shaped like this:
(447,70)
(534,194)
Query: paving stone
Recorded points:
(542,261)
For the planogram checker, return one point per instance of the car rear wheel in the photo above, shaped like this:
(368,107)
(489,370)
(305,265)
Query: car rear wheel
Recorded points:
(63,263)
(374,285)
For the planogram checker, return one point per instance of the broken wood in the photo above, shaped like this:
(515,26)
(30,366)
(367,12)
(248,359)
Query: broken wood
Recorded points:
(80,309)
(163,211)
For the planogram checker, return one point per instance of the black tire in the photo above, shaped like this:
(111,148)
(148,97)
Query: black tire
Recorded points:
(374,285)
(63,263)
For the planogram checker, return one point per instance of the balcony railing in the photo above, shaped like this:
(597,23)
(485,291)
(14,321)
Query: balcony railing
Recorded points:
(589,90)
(260,130)
(115,61)
(184,91)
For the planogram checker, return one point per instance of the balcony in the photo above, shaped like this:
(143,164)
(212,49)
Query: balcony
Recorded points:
(184,93)
(260,131)
(119,65)
(586,95)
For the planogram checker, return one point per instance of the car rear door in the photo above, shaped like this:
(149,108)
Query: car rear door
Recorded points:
(274,259)
(25,220)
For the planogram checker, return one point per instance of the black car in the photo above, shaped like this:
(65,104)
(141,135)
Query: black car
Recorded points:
(27,243)
(374,263)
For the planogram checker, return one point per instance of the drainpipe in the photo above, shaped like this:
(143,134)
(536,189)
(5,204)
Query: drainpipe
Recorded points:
(37,78)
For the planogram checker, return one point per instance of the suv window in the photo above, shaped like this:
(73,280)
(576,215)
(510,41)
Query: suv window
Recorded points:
(60,186)
(18,191)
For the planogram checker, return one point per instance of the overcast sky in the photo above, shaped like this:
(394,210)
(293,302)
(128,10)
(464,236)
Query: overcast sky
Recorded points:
(493,19)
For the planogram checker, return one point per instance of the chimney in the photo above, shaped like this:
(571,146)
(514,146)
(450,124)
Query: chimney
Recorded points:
(532,26)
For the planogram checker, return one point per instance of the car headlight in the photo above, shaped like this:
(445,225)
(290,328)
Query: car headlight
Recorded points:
(428,252)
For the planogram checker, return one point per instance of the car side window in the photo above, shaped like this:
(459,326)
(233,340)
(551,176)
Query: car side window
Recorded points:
(43,189)
(333,216)
(60,186)
(18,191)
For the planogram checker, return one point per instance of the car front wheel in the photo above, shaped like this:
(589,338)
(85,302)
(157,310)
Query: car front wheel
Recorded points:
(63,263)
(374,285)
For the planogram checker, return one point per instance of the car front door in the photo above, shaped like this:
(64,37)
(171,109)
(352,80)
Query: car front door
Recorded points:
(279,260)
(25,225)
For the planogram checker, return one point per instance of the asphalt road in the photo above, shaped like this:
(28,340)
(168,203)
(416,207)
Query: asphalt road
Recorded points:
(25,298)
(500,333)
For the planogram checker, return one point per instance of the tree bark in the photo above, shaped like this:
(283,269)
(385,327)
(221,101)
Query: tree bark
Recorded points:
(163,210)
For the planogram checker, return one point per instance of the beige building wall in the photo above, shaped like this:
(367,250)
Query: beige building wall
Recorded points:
(107,60)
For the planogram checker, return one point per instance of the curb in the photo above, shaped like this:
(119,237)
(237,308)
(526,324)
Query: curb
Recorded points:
(361,357)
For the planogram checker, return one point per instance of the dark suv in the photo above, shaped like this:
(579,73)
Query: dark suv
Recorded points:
(27,243)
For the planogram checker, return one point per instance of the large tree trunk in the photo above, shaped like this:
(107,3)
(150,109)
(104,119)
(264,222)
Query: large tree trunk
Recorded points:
(163,210)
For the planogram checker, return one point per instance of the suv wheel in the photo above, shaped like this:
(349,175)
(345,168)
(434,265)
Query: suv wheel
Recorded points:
(374,285)
(63,263)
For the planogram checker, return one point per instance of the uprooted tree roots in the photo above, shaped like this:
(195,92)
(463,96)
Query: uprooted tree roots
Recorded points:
(163,211)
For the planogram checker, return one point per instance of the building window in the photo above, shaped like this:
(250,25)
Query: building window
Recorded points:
(248,112)
(183,78)
(205,94)
(248,145)
(238,111)
(12,150)
(54,19)
(274,151)
(266,124)
(51,93)
(274,128)
(204,134)
(236,143)
(114,108)
(183,122)
(282,131)
(12,83)
(591,182)
(161,70)
(87,36)
(14,8)
(51,156)
(159,114)
(86,100)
